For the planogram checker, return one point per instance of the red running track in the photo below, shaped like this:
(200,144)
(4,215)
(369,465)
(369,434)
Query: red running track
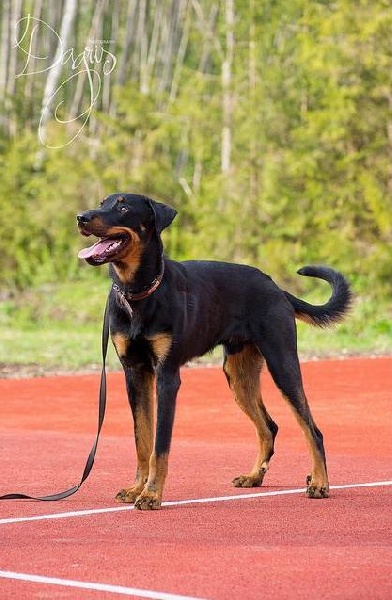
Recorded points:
(270,542)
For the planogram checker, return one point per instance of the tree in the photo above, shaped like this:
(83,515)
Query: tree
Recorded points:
(267,124)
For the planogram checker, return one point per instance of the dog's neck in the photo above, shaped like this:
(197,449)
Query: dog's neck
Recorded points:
(140,270)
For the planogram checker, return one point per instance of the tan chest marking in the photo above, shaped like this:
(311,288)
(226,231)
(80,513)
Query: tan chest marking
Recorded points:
(161,345)
(121,343)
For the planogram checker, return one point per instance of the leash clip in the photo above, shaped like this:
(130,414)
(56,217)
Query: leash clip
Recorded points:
(123,299)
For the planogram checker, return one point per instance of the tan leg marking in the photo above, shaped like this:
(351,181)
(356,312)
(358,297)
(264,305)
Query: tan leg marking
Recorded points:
(317,481)
(144,440)
(151,496)
(243,372)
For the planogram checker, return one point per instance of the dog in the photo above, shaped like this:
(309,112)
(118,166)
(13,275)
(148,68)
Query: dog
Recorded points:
(163,313)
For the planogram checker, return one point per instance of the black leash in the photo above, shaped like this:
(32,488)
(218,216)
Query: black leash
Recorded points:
(101,416)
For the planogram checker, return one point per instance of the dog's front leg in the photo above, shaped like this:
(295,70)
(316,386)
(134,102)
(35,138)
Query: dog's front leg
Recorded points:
(140,387)
(168,383)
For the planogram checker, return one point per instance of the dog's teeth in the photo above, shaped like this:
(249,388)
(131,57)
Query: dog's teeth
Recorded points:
(111,246)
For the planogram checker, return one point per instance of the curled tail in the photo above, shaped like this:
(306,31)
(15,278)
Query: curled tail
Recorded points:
(332,311)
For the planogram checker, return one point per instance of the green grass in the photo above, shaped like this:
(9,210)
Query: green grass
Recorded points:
(58,328)
(55,328)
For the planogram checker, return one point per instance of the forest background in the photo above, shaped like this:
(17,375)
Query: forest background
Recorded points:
(266,123)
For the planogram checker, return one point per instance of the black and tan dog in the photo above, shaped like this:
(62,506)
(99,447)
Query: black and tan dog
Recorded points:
(163,313)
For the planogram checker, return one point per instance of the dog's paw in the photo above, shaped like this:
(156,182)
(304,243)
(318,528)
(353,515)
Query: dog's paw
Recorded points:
(248,481)
(128,495)
(148,501)
(316,491)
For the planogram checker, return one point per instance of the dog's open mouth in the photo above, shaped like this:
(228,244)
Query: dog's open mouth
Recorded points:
(105,250)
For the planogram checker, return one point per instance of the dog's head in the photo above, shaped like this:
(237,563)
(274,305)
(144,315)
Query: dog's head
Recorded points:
(123,223)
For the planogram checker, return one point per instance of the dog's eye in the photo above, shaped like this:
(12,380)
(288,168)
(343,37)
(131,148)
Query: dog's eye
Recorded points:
(123,208)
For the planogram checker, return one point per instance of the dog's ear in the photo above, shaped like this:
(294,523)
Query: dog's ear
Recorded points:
(163,214)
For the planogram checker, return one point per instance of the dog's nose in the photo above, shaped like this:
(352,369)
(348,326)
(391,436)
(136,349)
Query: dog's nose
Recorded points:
(83,219)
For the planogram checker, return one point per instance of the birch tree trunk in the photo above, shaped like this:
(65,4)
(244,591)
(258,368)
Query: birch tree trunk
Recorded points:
(182,48)
(253,154)
(29,84)
(141,35)
(4,51)
(12,63)
(129,34)
(54,73)
(107,96)
(15,16)
(227,93)
(206,51)
(95,29)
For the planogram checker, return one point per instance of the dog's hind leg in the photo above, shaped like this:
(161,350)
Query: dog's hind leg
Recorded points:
(242,367)
(279,349)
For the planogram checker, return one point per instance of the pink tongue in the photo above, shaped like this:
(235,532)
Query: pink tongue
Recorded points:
(96,249)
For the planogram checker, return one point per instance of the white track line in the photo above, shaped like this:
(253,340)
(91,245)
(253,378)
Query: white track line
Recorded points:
(136,592)
(97,511)
(99,587)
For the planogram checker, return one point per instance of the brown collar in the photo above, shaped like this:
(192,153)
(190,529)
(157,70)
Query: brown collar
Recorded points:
(126,297)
